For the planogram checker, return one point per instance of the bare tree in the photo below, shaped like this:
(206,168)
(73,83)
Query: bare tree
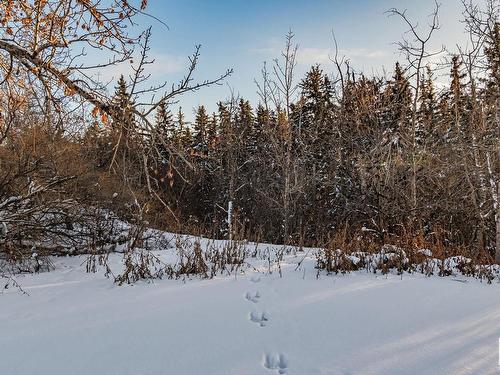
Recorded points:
(481,24)
(51,55)
(49,42)
(417,52)
(286,87)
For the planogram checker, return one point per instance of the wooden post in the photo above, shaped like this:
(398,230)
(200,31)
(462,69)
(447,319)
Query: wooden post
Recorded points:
(230,221)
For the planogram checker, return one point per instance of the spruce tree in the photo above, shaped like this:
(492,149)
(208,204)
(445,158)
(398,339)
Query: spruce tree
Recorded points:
(427,108)
(399,105)
(200,139)
(457,100)
(183,136)
(164,121)
(124,121)
(492,138)
(164,132)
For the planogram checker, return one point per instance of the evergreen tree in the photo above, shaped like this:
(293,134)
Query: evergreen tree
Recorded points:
(263,121)
(244,120)
(492,136)
(427,117)
(212,136)
(457,100)
(124,121)
(200,138)
(311,127)
(183,136)
(164,121)
(398,111)
(492,52)
(316,96)
(164,131)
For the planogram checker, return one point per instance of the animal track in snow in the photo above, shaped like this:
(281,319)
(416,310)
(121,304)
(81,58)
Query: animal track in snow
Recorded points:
(260,318)
(255,279)
(253,297)
(274,361)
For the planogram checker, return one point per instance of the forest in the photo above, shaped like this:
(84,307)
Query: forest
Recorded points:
(410,158)
(329,220)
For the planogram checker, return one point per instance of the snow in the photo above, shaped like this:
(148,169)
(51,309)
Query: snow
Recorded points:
(425,252)
(253,323)
(354,259)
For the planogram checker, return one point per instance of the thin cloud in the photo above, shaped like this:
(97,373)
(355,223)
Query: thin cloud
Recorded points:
(267,51)
(167,64)
(311,56)
(163,65)
(363,53)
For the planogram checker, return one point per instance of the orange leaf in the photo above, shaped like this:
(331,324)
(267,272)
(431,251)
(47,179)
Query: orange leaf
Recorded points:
(68,91)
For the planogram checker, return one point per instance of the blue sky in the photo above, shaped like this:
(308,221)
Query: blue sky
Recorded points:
(242,34)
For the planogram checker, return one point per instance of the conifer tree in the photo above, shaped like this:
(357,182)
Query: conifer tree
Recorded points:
(312,130)
(183,136)
(124,121)
(164,121)
(457,100)
(164,131)
(427,108)
(492,52)
(212,136)
(399,104)
(492,99)
(126,160)
(201,123)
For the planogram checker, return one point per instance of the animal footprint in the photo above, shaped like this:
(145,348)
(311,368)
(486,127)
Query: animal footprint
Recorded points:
(255,279)
(260,318)
(252,297)
(273,361)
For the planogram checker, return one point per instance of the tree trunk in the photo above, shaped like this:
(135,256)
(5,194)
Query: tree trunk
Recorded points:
(497,196)
(497,219)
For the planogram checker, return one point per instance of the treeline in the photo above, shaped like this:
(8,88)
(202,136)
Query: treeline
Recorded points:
(327,154)
(353,153)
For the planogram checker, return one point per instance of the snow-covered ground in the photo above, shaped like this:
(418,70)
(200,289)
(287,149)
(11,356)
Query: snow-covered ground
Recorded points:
(74,323)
